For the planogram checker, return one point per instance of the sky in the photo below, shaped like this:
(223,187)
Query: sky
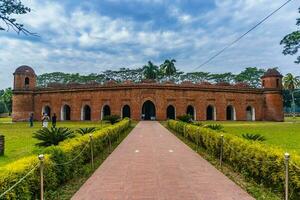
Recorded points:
(91,36)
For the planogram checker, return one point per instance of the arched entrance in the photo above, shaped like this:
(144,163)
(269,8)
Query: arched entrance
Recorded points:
(210,113)
(148,111)
(250,113)
(47,110)
(230,113)
(66,113)
(86,113)
(171,112)
(105,111)
(126,111)
(190,111)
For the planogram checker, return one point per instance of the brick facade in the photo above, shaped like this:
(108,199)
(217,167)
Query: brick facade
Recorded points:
(79,102)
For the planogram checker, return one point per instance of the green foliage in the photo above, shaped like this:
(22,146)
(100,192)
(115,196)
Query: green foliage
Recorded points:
(112,118)
(150,71)
(216,127)
(251,76)
(291,42)
(6,98)
(59,167)
(254,137)
(260,162)
(168,67)
(3,108)
(185,118)
(87,130)
(196,123)
(52,136)
(8,10)
(222,78)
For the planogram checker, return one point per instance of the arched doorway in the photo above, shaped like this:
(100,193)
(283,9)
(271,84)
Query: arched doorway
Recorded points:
(250,113)
(65,113)
(126,111)
(105,111)
(230,113)
(148,111)
(190,111)
(210,113)
(171,112)
(86,113)
(47,110)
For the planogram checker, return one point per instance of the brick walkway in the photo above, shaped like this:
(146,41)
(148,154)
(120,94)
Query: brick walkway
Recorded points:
(151,163)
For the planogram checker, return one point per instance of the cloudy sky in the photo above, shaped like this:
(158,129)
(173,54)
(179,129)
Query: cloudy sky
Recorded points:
(96,35)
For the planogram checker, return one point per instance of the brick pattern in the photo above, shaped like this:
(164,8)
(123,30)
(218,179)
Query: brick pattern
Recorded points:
(151,163)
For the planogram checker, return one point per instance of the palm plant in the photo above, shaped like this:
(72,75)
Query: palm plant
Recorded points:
(150,71)
(168,67)
(290,83)
(254,137)
(216,127)
(84,131)
(52,136)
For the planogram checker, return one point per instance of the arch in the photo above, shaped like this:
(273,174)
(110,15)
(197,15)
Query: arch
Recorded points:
(190,110)
(148,110)
(210,113)
(65,112)
(171,112)
(26,82)
(105,111)
(250,113)
(47,110)
(86,113)
(126,111)
(230,113)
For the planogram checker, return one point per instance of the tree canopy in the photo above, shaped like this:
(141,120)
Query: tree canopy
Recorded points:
(291,42)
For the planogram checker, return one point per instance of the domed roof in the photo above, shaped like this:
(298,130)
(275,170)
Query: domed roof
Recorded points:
(272,73)
(24,69)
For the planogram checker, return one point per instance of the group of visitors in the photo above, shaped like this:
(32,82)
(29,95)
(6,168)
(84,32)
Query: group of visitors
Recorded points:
(45,120)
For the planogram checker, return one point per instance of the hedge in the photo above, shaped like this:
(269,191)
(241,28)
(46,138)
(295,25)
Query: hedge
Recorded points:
(56,171)
(255,160)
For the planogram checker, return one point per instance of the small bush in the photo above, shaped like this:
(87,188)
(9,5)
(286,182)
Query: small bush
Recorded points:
(198,123)
(112,118)
(52,136)
(185,118)
(216,127)
(254,137)
(84,131)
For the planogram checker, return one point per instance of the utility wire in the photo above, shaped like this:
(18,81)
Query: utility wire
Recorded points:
(239,38)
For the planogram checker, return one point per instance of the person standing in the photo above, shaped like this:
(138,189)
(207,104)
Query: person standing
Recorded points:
(54,120)
(31,120)
(45,120)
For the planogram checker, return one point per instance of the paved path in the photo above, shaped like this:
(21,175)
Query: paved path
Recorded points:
(151,163)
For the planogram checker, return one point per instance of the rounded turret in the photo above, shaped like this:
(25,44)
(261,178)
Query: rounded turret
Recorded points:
(272,79)
(24,78)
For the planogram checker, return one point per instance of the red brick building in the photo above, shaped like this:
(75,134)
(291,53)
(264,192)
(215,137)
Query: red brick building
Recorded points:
(148,100)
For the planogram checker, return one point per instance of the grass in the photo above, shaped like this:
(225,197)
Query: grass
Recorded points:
(19,141)
(259,192)
(285,135)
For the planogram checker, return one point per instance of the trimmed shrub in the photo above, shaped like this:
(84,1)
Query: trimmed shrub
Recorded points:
(255,160)
(62,163)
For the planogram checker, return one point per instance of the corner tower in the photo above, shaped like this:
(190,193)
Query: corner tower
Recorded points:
(24,85)
(273,100)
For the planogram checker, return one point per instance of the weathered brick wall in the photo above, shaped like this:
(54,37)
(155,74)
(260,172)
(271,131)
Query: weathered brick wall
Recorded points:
(161,97)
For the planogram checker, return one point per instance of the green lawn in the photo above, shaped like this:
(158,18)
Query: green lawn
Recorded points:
(285,135)
(19,141)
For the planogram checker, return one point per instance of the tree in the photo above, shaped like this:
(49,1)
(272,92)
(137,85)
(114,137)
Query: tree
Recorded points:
(290,83)
(251,76)
(9,8)
(225,77)
(291,42)
(196,77)
(150,71)
(6,98)
(168,67)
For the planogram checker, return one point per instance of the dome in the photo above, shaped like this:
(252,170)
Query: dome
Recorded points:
(272,73)
(24,69)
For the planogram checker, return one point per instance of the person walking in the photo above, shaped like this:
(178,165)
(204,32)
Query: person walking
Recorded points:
(54,120)
(31,120)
